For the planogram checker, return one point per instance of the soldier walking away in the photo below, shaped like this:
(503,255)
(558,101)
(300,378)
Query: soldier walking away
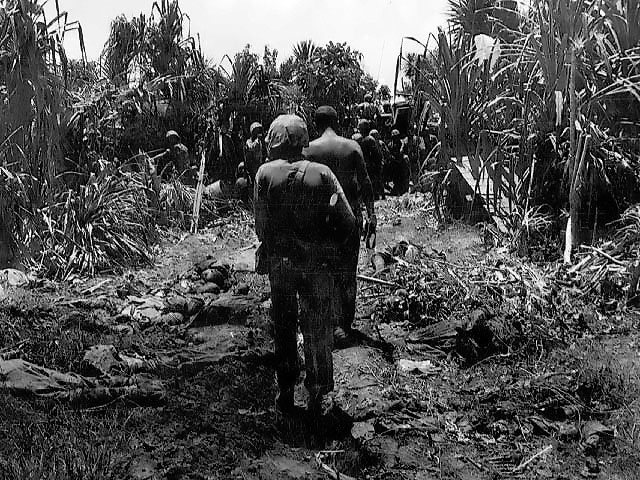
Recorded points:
(372,157)
(415,149)
(302,218)
(398,169)
(229,156)
(344,157)
(253,149)
(385,154)
(367,110)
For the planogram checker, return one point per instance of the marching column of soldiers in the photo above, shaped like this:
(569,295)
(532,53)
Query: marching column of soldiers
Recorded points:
(313,203)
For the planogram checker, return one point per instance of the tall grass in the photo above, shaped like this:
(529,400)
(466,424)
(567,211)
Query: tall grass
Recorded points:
(528,95)
(105,226)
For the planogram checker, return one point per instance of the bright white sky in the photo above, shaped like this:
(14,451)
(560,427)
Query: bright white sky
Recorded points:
(374,27)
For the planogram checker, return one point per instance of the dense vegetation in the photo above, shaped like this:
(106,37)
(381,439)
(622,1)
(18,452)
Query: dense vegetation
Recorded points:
(75,193)
(548,94)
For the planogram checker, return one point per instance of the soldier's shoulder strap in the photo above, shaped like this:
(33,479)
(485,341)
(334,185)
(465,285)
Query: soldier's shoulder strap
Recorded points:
(300,173)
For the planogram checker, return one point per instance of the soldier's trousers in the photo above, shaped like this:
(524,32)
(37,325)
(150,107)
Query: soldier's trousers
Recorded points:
(345,279)
(312,288)
(377,183)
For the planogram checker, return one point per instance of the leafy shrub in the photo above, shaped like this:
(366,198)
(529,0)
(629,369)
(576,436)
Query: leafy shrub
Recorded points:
(106,225)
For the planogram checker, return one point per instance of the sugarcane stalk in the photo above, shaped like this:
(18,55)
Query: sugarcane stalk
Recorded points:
(573,239)
(197,202)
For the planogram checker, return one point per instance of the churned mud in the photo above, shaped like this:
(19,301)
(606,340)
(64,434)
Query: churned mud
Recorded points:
(458,372)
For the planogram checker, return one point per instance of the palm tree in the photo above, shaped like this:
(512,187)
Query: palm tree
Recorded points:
(471,17)
(166,43)
(304,51)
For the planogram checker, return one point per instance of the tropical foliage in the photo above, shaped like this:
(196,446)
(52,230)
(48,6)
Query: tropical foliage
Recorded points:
(105,226)
(546,97)
(330,75)
(549,94)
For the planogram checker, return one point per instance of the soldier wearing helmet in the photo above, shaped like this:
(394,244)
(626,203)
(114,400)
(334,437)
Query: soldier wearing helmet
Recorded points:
(302,218)
(253,151)
(367,110)
(174,161)
(243,183)
(372,157)
(384,152)
(398,170)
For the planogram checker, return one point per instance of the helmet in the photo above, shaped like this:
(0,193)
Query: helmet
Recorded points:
(288,131)
(363,123)
(172,134)
(368,97)
(241,185)
(254,126)
(395,132)
(375,133)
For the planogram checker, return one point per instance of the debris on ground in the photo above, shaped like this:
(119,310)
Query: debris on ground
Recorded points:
(104,360)
(227,308)
(24,379)
(450,370)
(11,277)
(425,367)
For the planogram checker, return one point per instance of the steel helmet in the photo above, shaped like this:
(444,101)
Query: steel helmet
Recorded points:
(364,123)
(172,134)
(288,131)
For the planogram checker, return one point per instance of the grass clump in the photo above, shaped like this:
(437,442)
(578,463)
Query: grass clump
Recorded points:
(104,227)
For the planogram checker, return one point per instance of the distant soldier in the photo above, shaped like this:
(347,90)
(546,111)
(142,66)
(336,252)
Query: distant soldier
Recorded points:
(386,157)
(229,157)
(367,110)
(344,157)
(174,161)
(302,219)
(253,151)
(372,157)
(398,168)
(415,148)
(243,183)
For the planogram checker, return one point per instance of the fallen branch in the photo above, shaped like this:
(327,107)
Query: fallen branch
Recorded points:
(458,279)
(606,255)
(474,463)
(523,465)
(377,281)
(95,287)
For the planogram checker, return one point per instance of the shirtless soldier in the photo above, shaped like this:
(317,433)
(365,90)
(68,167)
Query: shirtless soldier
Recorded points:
(344,158)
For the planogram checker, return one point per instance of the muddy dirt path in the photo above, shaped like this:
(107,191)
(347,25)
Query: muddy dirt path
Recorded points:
(407,410)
